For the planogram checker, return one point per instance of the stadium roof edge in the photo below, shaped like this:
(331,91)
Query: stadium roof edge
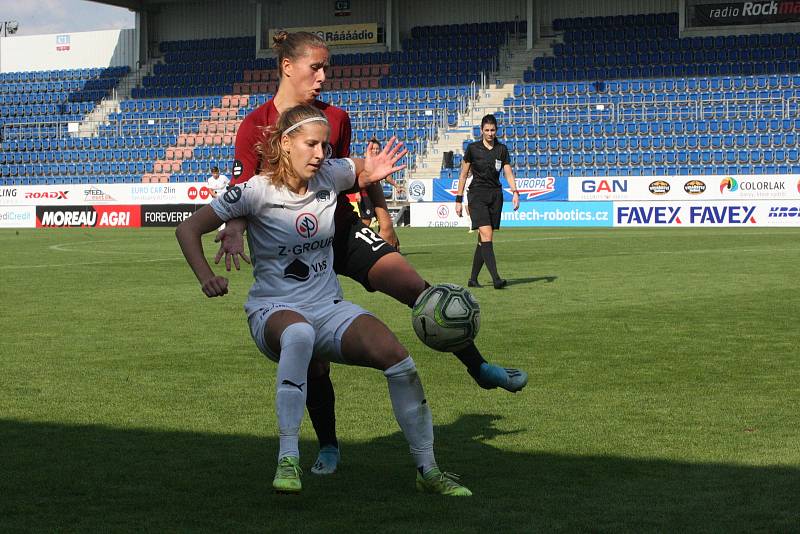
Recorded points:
(140,5)
(133,5)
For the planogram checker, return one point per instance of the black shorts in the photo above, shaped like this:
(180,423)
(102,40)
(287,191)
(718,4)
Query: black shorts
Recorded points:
(485,207)
(366,208)
(356,248)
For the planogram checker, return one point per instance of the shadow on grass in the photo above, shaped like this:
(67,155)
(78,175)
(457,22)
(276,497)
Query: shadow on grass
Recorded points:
(532,280)
(93,478)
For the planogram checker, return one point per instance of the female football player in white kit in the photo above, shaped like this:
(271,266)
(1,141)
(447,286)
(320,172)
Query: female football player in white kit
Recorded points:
(295,307)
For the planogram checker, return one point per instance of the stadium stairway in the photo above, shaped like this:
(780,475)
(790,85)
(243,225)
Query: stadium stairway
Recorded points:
(515,58)
(218,130)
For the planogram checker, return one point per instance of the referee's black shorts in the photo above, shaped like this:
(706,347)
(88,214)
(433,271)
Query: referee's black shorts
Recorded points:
(485,207)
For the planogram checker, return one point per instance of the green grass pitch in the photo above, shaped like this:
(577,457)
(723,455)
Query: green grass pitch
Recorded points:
(664,391)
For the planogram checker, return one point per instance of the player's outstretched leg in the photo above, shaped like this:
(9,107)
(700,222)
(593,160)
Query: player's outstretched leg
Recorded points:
(488,375)
(368,342)
(394,276)
(414,417)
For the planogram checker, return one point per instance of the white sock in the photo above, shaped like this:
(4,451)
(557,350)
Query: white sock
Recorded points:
(412,412)
(297,345)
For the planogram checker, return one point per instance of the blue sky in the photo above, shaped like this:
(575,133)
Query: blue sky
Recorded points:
(63,16)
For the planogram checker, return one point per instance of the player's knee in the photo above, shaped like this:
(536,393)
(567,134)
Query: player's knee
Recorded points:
(299,334)
(388,353)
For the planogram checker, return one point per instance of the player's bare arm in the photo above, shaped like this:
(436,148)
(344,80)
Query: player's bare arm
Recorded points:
(189,234)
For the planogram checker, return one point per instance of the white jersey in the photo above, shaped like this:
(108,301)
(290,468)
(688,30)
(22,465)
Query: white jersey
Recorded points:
(290,235)
(218,184)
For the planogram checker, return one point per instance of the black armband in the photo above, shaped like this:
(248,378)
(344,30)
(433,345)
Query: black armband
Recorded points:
(459,198)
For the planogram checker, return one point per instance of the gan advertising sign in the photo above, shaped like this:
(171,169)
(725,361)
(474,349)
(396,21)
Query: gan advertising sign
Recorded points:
(755,187)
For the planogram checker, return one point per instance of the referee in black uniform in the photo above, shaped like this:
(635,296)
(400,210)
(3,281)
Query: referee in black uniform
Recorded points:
(486,158)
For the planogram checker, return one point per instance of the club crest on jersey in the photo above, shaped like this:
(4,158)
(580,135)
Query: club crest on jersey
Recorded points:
(233,194)
(237,168)
(328,151)
(323,196)
(306,225)
(297,270)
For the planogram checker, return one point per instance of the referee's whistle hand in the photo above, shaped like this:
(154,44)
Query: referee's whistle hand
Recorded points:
(459,207)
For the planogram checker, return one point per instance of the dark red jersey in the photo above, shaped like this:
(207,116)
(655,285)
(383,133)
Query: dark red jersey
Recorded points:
(250,132)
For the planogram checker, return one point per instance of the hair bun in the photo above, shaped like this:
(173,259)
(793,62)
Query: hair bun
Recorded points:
(279,37)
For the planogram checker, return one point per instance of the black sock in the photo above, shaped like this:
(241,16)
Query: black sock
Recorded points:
(321,404)
(477,263)
(471,357)
(487,250)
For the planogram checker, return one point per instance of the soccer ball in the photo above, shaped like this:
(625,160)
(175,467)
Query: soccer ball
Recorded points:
(446,317)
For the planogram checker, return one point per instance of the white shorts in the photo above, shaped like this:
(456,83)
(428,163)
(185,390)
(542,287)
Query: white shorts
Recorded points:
(330,321)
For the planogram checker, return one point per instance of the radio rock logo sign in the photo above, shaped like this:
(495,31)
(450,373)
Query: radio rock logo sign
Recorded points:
(306,225)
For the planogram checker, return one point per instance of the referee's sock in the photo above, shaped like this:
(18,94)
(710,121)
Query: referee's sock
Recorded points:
(487,251)
(477,263)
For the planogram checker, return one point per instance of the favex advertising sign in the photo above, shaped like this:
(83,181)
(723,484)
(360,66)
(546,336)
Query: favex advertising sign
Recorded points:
(685,188)
(715,213)
(88,216)
(744,13)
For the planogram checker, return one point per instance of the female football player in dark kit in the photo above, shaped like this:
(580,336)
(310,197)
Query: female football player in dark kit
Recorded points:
(359,253)
(486,159)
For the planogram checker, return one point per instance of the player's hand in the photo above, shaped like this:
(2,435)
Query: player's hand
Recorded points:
(390,236)
(216,286)
(515,200)
(231,245)
(378,167)
(458,208)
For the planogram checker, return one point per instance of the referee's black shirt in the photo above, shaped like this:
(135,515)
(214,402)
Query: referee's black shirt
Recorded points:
(486,165)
